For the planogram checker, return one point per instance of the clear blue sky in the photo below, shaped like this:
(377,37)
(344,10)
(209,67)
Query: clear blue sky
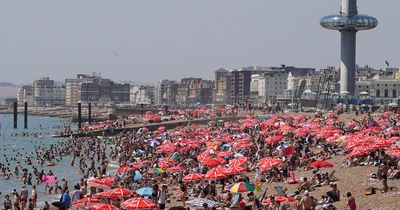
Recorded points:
(151,40)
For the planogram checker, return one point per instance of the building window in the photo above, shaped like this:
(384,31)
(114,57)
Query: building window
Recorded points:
(378,93)
(394,93)
(386,93)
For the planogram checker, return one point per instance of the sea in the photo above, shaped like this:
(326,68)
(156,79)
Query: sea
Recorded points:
(11,144)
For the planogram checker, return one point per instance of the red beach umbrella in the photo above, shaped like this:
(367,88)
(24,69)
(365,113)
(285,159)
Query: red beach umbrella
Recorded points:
(114,193)
(381,144)
(138,203)
(207,154)
(193,176)
(103,206)
(320,164)
(175,169)
(269,162)
(213,162)
(216,173)
(274,139)
(393,152)
(102,183)
(123,168)
(234,169)
(239,161)
(357,151)
(86,202)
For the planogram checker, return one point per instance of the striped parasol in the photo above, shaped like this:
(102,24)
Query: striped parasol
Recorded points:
(198,202)
(240,187)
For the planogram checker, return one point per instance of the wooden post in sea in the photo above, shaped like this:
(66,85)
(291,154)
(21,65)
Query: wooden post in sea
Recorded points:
(90,113)
(166,110)
(25,115)
(142,109)
(79,115)
(15,114)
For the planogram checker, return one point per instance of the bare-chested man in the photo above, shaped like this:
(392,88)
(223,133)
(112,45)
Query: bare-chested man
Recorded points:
(308,202)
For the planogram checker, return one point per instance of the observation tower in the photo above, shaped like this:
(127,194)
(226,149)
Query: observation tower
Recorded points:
(348,22)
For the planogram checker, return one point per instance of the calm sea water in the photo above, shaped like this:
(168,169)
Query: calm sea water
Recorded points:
(10,145)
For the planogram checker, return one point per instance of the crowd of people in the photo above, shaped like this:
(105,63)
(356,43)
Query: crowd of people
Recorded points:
(228,166)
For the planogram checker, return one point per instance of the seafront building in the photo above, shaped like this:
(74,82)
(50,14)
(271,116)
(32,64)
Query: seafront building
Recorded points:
(46,93)
(194,91)
(142,94)
(95,89)
(165,93)
(266,86)
(257,84)
(25,94)
(73,88)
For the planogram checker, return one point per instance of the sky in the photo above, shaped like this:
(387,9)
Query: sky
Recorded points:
(150,40)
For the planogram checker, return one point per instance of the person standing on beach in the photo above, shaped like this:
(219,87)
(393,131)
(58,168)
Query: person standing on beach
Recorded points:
(351,202)
(162,197)
(34,196)
(383,173)
(7,202)
(23,197)
(65,201)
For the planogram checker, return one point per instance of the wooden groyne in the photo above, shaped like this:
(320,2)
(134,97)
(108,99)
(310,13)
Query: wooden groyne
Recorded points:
(153,126)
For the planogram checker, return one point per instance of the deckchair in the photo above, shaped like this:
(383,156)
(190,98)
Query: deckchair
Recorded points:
(332,177)
(279,190)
